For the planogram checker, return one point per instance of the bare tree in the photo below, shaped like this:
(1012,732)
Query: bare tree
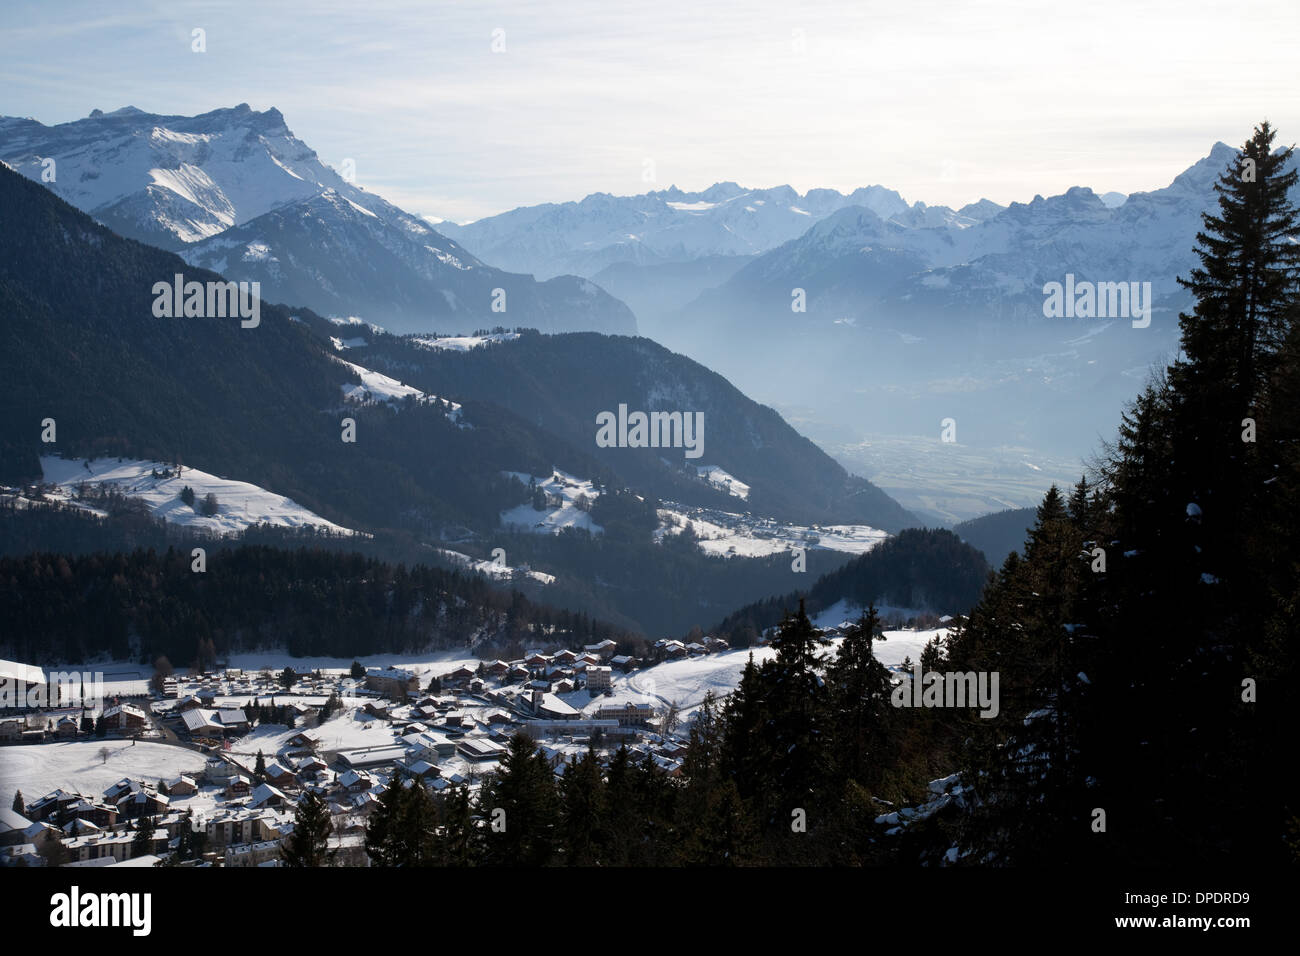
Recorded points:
(670,717)
(104,754)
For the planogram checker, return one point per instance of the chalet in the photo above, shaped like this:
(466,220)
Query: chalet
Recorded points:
(239,786)
(188,702)
(566,658)
(53,805)
(564,686)
(603,651)
(672,649)
(695,648)
(202,722)
(267,796)
(353,781)
(100,814)
(79,827)
(624,662)
(459,676)
(67,728)
(42,836)
(145,802)
(234,722)
(376,708)
(422,770)
(120,789)
(311,765)
(180,786)
(519,672)
(12,825)
(498,669)
(126,717)
(303,740)
(279,775)
(219,772)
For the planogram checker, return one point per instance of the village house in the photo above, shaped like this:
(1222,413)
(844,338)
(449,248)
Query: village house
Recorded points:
(126,717)
(602,651)
(234,722)
(180,786)
(12,825)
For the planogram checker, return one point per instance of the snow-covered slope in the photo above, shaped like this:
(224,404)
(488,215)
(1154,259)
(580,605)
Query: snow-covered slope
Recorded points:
(727,534)
(235,191)
(564,506)
(239,504)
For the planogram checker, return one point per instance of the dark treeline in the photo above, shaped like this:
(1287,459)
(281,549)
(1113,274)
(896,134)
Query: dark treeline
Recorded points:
(926,569)
(148,604)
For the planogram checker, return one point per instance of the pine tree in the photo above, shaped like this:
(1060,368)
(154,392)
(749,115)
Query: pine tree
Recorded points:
(385,839)
(19,807)
(308,844)
(142,842)
(582,810)
(524,790)
(859,687)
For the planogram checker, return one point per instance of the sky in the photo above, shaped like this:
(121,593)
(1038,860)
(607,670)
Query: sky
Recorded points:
(459,109)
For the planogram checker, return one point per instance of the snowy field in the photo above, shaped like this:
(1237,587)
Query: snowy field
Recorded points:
(723,481)
(687,681)
(463,343)
(377,388)
(744,536)
(240,504)
(425,665)
(490,569)
(36,769)
(568,515)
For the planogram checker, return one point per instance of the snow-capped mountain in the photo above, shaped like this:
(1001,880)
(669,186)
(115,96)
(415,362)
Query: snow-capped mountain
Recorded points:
(661,227)
(982,263)
(235,191)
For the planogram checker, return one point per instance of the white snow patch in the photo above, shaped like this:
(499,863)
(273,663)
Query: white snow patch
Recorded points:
(240,504)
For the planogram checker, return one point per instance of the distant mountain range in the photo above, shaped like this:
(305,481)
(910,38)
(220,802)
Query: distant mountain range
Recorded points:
(235,191)
(869,321)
